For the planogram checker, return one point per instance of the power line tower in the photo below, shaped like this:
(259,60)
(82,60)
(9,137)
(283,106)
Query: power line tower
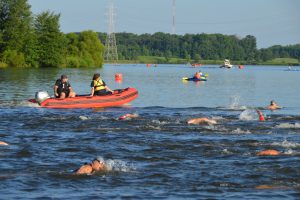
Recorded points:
(174,14)
(111,51)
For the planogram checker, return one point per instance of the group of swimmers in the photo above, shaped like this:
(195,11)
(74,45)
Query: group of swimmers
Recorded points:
(98,164)
(63,89)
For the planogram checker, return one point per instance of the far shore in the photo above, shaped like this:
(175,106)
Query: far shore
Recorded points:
(162,60)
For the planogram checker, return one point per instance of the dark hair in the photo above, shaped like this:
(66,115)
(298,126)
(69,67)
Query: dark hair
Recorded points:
(63,76)
(96,76)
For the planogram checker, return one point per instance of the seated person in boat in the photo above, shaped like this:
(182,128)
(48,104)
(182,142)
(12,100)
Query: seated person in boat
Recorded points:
(197,75)
(99,88)
(273,106)
(62,88)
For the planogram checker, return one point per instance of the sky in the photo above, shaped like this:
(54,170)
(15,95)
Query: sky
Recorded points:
(272,22)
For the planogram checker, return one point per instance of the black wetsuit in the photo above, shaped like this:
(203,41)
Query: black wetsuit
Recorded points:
(62,87)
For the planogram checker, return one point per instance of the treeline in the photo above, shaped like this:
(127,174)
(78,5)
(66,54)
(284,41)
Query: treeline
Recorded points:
(36,41)
(198,47)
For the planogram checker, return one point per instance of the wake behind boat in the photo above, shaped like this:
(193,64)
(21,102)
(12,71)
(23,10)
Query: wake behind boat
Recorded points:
(118,98)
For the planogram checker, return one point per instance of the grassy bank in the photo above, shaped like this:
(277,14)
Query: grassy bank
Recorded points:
(163,60)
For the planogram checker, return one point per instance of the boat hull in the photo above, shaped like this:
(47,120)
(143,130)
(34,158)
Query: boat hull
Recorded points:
(119,98)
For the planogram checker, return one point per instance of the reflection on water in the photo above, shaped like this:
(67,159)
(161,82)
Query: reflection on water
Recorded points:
(156,155)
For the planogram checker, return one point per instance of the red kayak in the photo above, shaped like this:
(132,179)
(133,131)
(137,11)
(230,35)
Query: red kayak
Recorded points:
(118,98)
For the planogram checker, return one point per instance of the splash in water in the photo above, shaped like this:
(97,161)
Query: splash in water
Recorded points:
(117,165)
(248,115)
(235,103)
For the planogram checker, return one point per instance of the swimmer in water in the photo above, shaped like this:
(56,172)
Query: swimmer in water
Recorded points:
(273,106)
(3,143)
(85,169)
(269,152)
(202,120)
(89,168)
(98,165)
(128,116)
(261,116)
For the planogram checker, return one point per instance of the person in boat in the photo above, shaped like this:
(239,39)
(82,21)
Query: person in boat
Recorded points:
(273,106)
(96,165)
(99,87)
(63,89)
(202,120)
(197,75)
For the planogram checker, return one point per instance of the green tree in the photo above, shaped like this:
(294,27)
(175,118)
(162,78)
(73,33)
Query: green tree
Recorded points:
(16,29)
(197,58)
(168,55)
(50,41)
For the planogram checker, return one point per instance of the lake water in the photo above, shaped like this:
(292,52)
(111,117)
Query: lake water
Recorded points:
(157,156)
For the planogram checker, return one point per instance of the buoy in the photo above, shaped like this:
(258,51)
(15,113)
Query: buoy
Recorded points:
(241,67)
(118,77)
(148,65)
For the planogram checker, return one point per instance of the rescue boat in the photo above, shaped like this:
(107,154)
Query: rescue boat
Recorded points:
(118,98)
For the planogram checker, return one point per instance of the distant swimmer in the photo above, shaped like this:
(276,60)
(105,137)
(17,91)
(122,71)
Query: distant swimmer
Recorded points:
(260,116)
(98,164)
(128,116)
(203,121)
(3,143)
(269,152)
(88,168)
(85,169)
(273,106)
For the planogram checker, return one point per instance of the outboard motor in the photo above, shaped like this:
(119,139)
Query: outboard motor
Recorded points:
(41,96)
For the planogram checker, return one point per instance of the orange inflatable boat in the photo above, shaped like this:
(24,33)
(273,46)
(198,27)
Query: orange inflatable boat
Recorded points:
(118,98)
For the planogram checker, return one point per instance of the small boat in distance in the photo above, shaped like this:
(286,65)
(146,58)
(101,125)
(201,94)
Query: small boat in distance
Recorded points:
(226,64)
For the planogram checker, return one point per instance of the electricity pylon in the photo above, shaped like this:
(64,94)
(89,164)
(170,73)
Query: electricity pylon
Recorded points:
(111,51)
(174,13)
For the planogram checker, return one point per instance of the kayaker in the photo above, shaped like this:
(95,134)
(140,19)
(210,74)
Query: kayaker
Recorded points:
(62,88)
(202,120)
(99,87)
(197,75)
(273,106)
